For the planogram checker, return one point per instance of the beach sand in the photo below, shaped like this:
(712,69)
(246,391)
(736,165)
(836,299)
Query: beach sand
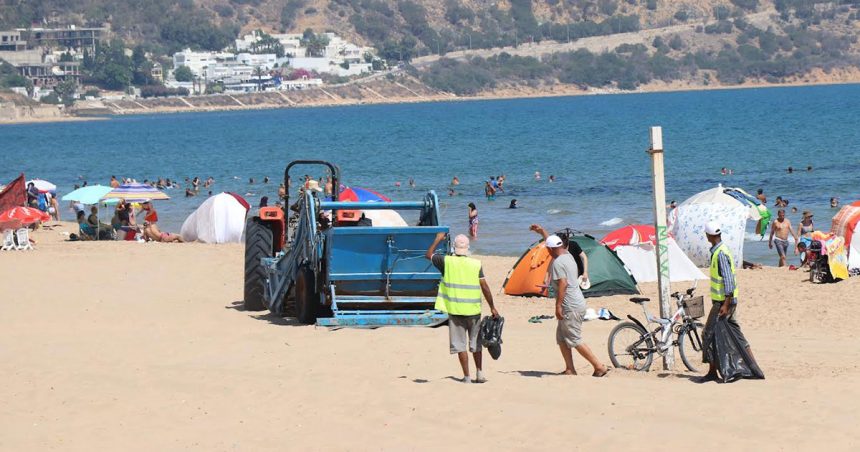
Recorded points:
(130,346)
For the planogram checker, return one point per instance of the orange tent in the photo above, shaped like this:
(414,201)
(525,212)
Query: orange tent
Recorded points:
(529,275)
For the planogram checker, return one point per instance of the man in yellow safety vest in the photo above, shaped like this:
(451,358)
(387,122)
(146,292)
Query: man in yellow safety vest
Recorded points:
(460,296)
(724,297)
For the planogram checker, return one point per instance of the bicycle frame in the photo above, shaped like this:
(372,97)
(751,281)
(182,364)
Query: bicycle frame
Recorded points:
(666,326)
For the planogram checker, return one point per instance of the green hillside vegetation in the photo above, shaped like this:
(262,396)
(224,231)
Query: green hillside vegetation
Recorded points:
(806,34)
(770,55)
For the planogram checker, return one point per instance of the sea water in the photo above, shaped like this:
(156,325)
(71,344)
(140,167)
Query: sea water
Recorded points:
(593,145)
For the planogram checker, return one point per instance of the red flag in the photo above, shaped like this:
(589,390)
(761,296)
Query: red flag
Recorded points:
(14,195)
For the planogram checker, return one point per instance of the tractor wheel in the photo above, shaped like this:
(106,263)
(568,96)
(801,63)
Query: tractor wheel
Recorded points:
(258,244)
(307,301)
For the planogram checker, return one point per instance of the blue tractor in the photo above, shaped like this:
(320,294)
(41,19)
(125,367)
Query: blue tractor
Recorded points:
(323,261)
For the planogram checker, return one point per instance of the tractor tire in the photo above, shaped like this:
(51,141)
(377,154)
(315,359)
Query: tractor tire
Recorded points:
(307,301)
(258,244)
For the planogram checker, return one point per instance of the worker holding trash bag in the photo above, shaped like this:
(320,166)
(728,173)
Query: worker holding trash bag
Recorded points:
(724,346)
(459,295)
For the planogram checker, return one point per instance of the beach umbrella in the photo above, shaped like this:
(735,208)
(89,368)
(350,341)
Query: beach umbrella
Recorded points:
(136,192)
(88,195)
(633,234)
(361,195)
(357,194)
(42,185)
(16,216)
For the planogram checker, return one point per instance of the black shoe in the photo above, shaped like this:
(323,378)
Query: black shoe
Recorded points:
(705,379)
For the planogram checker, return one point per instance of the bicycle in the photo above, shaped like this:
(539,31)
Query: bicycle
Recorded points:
(632,339)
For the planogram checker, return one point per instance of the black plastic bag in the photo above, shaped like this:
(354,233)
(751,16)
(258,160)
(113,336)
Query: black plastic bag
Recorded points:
(734,360)
(491,335)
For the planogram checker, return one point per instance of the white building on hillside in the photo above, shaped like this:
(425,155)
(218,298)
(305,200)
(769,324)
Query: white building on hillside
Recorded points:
(196,61)
(265,61)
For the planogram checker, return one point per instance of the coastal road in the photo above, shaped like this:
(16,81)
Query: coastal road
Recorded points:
(594,44)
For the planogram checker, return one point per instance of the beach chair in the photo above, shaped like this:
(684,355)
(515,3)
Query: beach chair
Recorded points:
(23,235)
(9,241)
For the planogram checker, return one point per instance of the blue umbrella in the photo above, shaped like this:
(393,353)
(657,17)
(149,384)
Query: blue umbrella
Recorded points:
(91,194)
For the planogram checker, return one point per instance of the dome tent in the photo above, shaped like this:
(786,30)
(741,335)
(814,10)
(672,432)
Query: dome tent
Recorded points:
(635,245)
(220,219)
(687,224)
(606,272)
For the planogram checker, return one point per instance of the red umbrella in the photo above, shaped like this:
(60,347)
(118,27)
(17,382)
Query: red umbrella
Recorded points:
(630,235)
(361,194)
(358,195)
(16,216)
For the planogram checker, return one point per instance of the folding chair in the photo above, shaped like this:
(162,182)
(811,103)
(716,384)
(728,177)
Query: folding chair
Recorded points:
(9,241)
(24,239)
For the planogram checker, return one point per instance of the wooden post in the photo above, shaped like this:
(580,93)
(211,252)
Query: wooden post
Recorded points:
(662,235)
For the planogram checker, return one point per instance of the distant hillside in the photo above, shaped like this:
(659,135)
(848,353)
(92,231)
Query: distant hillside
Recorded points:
(433,24)
(725,41)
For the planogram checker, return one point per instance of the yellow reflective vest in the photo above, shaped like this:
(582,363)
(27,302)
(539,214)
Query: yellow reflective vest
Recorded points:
(460,288)
(718,291)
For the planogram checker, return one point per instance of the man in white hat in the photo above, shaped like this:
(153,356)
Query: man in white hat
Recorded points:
(570,308)
(459,295)
(724,298)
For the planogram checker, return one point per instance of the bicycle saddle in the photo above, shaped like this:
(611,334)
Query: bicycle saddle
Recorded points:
(639,300)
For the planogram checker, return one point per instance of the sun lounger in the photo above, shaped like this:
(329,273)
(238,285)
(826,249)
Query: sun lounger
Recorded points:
(23,235)
(9,241)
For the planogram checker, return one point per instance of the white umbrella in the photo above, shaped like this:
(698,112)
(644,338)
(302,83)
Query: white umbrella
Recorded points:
(42,185)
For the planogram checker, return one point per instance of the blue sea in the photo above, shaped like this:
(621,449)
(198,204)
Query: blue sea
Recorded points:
(593,145)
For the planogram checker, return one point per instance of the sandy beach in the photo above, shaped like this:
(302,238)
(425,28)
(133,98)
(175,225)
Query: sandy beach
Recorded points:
(130,346)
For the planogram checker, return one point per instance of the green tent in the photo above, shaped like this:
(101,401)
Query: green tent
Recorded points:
(606,271)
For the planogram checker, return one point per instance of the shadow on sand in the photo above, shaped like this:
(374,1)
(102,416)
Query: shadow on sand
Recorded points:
(534,373)
(265,315)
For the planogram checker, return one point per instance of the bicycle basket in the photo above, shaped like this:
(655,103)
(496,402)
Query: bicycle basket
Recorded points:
(695,307)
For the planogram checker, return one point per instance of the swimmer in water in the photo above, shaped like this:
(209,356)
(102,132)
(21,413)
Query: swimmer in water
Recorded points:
(513,204)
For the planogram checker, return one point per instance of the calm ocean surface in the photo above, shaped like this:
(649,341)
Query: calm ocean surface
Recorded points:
(594,145)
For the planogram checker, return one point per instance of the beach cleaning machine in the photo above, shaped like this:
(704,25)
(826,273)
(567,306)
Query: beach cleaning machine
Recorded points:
(336,269)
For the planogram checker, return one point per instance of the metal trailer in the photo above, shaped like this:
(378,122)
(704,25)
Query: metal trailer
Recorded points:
(344,275)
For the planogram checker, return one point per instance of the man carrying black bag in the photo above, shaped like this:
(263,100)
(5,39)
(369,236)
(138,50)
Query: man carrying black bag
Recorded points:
(724,346)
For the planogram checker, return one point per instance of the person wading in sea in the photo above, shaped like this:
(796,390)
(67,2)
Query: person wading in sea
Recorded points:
(459,295)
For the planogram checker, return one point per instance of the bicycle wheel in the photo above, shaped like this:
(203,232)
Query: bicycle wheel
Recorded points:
(690,346)
(630,347)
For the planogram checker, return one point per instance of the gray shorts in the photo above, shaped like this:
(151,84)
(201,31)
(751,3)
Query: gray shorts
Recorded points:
(569,330)
(463,332)
(781,246)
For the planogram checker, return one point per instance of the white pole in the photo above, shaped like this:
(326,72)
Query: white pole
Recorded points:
(656,152)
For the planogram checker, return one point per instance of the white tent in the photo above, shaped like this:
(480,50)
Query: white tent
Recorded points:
(220,219)
(687,224)
(641,260)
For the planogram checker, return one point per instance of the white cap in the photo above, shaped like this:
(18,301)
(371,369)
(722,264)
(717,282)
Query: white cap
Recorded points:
(461,245)
(313,185)
(713,228)
(553,241)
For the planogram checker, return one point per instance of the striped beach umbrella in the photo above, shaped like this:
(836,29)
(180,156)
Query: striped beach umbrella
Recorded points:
(135,192)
